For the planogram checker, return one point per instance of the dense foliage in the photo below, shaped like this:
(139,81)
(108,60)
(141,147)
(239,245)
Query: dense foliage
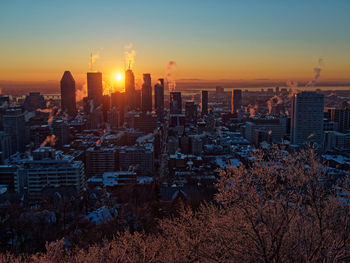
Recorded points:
(283,208)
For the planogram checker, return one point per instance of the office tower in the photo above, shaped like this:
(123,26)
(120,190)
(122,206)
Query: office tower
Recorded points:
(94,87)
(342,117)
(68,103)
(159,98)
(38,134)
(137,99)
(307,118)
(191,112)
(100,160)
(175,103)
(146,94)
(34,101)
(204,102)
(5,144)
(106,105)
(146,123)
(118,100)
(8,174)
(113,118)
(95,119)
(139,159)
(236,100)
(14,125)
(61,130)
(48,169)
(130,88)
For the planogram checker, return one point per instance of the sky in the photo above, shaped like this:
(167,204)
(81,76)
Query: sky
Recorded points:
(211,40)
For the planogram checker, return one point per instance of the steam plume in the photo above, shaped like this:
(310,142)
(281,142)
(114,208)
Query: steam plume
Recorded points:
(130,54)
(275,100)
(81,92)
(169,75)
(93,59)
(51,140)
(317,75)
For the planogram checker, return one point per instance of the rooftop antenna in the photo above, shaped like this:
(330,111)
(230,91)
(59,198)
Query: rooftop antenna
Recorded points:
(129,63)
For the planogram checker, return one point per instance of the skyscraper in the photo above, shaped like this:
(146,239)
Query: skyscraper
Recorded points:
(204,102)
(34,101)
(130,88)
(68,103)
(307,118)
(14,125)
(146,95)
(175,103)
(236,102)
(191,112)
(94,86)
(159,98)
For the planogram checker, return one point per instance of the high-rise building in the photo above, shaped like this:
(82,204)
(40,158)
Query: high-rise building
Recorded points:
(5,144)
(100,160)
(106,105)
(146,94)
(38,134)
(118,100)
(307,118)
(342,117)
(236,100)
(130,88)
(14,125)
(159,98)
(113,118)
(95,88)
(146,123)
(204,102)
(139,159)
(175,103)
(47,169)
(191,112)
(61,130)
(68,103)
(34,101)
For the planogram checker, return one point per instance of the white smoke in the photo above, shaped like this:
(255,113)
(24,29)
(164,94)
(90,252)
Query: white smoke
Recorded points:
(93,58)
(275,100)
(169,75)
(130,54)
(317,75)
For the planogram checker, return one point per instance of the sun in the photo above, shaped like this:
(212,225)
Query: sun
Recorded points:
(118,77)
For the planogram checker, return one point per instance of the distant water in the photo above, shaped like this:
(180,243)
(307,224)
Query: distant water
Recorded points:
(195,90)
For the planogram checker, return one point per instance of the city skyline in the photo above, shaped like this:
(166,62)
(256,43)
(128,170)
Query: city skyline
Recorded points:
(226,41)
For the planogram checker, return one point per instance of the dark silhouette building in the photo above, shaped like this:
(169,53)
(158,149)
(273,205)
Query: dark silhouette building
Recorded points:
(130,88)
(191,112)
(342,117)
(236,102)
(14,125)
(159,98)
(34,101)
(175,103)
(307,118)
(204,102)
(94,87)
(146,94)
(68,103)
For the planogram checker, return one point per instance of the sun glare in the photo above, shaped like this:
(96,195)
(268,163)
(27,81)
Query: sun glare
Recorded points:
(118,77)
